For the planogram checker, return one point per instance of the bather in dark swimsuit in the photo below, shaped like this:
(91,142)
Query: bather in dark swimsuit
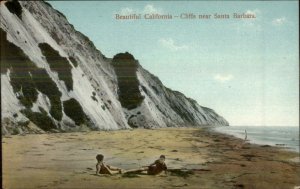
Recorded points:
(156,168)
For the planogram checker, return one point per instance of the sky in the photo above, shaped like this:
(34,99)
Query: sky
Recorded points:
(247,70)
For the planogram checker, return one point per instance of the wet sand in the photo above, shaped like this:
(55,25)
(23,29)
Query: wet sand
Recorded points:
(67,160)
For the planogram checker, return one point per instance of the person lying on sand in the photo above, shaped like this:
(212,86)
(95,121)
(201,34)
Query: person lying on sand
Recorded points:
(153,169)
(102,168)
(158,166)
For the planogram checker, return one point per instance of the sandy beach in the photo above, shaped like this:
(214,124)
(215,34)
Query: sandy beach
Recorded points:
(197,158)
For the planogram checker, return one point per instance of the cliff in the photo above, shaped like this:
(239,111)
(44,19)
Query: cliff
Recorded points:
(54,79)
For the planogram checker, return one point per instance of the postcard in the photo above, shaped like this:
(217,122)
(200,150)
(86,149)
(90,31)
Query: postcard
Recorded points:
(150,94)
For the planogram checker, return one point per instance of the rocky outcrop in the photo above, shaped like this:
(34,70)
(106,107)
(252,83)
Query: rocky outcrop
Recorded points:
(49,69)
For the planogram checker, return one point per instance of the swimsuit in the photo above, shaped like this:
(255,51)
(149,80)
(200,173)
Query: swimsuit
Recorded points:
(157,168)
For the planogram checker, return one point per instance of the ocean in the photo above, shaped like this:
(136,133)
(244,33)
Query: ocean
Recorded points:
(284,136)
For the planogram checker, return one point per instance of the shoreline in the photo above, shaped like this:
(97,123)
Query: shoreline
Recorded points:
(282,145)
(67,160)
(256,144)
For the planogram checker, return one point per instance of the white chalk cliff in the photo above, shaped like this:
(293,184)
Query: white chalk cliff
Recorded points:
(54,79)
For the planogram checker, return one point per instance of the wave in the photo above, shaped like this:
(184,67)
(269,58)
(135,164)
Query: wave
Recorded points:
(284,136)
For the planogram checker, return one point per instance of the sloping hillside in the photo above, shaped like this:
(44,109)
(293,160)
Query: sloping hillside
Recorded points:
(54,79)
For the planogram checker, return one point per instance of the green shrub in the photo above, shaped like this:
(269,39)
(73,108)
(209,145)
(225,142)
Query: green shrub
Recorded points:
(26,77)
(23,123)
(48,87)
(42,110)
(22,83)
(14,7)
(58,64)
(41,120)
(125,67)
(13,58)
(73,109)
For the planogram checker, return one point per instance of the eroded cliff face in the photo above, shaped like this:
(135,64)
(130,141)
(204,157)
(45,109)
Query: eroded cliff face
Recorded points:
(54,79)
(167,108)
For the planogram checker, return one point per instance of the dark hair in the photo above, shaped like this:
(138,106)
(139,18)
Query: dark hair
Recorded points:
(99,157)
(162,156)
